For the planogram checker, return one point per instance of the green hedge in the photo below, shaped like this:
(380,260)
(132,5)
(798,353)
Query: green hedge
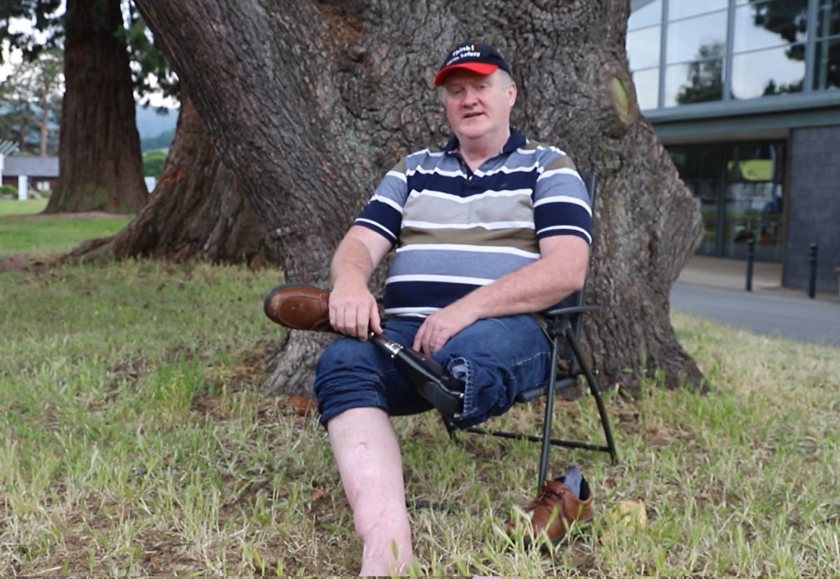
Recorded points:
(153,162)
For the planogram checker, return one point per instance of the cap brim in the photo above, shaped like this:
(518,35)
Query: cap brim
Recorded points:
(482,68)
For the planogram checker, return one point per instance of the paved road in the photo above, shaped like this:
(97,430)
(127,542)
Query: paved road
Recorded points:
(793,318)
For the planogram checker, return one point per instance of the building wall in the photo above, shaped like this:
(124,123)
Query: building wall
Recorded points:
(813,207)
(12,181)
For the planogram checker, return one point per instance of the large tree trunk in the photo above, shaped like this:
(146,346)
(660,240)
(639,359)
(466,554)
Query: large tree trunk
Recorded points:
(99,147)
(197,209)
(309,102)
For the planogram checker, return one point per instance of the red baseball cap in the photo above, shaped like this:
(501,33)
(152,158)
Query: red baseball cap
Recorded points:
(477,57)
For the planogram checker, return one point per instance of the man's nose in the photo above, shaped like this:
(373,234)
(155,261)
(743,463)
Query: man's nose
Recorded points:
(469,97)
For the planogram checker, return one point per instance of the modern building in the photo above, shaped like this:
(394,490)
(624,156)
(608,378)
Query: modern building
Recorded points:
(745,95)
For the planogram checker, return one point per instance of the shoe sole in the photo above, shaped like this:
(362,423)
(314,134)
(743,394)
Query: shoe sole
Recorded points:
(322,326)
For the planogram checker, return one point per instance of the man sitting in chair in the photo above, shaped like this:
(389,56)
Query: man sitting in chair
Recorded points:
(488,230)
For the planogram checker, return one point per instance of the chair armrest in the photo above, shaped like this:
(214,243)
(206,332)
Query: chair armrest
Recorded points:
(570,310)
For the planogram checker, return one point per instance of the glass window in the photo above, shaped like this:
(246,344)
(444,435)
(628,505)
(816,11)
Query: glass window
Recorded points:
(643,47)
(739,189)
(695,38)
(768,72)
(647,88)
(769,24)
(701,169)
(644,13)
(829,18)
(707,195)
(754,200)
(694,82)
(698,161)
(827,65)
(686,8)
(752,162)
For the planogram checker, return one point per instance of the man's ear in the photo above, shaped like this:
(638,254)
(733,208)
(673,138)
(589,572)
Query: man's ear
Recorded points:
(512,93)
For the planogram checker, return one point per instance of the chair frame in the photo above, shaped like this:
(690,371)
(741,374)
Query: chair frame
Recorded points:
(564,326)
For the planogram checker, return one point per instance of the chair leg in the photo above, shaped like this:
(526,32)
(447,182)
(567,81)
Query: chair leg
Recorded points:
(548,419)
(596,392)
(546,440)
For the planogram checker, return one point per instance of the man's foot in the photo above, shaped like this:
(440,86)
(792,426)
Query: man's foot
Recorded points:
(558,506)
(299,306)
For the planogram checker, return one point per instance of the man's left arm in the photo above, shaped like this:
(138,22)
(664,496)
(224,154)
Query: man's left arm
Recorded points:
(560,270)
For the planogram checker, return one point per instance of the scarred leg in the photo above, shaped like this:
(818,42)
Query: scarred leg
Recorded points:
(368,456)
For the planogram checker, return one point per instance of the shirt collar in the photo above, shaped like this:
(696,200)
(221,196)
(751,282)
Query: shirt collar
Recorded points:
(515,141)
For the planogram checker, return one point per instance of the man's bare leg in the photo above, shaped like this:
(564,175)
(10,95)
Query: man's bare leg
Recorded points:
(368,457)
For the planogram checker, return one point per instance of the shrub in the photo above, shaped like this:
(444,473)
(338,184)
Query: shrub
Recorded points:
(153,162)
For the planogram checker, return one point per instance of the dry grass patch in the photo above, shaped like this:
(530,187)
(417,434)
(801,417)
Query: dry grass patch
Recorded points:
(137,442)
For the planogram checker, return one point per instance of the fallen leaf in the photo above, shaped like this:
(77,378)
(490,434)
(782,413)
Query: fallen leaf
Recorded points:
(630,514)
(303,406)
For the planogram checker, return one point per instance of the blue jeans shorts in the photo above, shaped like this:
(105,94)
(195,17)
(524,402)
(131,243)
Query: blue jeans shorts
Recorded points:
(497,358)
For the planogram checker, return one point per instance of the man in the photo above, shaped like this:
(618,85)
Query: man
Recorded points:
(488,230)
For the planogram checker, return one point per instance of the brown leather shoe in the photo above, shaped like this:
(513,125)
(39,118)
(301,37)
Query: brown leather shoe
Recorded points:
(556,508)
(299,306)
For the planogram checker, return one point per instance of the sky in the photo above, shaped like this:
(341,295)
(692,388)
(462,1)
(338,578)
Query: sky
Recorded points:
(11,58)
(18,25)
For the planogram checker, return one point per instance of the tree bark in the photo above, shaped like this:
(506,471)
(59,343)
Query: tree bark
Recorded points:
(99,146)
(197,209)
(310,102)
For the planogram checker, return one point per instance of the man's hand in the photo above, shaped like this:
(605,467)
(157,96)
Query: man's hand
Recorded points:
(440,326)
(560,270)
(354,311)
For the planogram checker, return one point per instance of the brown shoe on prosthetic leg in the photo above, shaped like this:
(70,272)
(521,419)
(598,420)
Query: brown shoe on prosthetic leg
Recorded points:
(299,307)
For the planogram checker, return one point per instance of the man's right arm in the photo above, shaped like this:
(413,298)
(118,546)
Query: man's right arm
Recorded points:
(353,308)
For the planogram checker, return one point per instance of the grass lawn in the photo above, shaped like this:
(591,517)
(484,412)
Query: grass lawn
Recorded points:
(136,442)
(15,207)
(24,230)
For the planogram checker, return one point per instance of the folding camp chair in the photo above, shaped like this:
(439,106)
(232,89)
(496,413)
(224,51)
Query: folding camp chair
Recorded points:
(564,330)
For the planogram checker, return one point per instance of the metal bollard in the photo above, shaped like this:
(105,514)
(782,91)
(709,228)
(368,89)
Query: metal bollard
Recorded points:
(750,261)
(812,277)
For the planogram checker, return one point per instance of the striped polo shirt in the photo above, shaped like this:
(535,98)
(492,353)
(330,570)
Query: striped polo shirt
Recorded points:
(456,230)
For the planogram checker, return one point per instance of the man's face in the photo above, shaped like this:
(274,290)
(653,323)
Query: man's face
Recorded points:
(478,105)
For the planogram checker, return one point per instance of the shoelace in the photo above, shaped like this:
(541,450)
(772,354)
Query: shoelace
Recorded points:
(547,498)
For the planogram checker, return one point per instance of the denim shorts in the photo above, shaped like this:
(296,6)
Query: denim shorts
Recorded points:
(497,358)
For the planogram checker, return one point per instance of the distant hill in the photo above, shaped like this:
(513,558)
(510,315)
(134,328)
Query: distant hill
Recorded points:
(151,123)
(156,128)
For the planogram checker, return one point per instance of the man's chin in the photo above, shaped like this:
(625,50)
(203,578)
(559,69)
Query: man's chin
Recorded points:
(471,132)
